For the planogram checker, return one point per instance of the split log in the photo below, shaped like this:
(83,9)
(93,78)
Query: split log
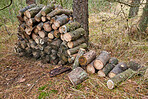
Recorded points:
(40,26)
(104,72)
(76,62)
(30,13)
(59,70)
(61,20)
(70,27)
(56,44)
(43,18)
(36,54)
(76,49)
(77,76)
(42,34)
(119,68)
(90,68)
(51,35)
(101,60)
(47,9)
(74,35)
(21,12)
(87,58)
(47,50)
(47,26)
(73,44)
(58,12)
(134,66)
(115,81)
(56,33)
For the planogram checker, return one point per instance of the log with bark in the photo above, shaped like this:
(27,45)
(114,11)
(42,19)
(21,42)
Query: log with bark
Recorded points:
(47,26)
(77,75)
(101,60)
(73,44)
(90,68)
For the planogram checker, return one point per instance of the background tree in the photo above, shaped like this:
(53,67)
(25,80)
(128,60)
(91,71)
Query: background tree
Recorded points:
(80,14)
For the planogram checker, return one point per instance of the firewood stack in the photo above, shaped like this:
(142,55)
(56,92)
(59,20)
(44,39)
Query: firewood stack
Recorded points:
(49,33)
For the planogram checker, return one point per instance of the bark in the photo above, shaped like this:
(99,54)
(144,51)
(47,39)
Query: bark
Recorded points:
(101,60)
(71,58)
(47,9)
(59,70)
(73,44)
(76,62)
(119,68)
(134,9)
(56,44)
(87,58)
(74,35)
(134,65)
(80,14)
(77,76)
(115,81)
(58,12)
(20,19)
(76,49)
(70,27)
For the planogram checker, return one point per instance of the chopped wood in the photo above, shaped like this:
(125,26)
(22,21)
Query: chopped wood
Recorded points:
(47,9)
(47,26)
(36,54)
(47,50)
(134,66)
(40,26)
(54,27)
(51,35)
(31,22)
(43,18)
(36,30)
(56,33)
(42,34)
(90,68)
(19,17)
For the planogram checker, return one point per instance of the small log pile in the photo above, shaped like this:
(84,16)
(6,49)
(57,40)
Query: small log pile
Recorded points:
(49,33)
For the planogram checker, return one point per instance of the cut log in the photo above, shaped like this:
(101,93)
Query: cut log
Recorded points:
(36,30)
(21,12)
(28,51)
(101,60)
(64,58)
(51,35)
(74,35)
(40,26)
(119,68)
(76,49)
(32,44)
(54,27)
(22,26)
(62,37)
(47,50)
(115,81)
(56,33)
(31,22)
(61,20)
(47,9)
(25,18)
(34,36)
(36,54)
(73,44)
(134,66)
(71,58)
(87,58)
(43,18)
(56,44)
(28,30)
(30,13)
(42,34)
(104,72)
(77,76)
(70,27)
(76,62)
(47,26)
(20,18)
(90,68)
(58,12)
(23,44)
(59,70)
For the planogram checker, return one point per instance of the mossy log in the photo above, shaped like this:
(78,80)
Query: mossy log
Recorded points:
(119,68)
(30,13)
(115,81)
(43,18)
(108,67)
(76,62)
(51,35)
(76,49)
(61,20)
(77,75)
(101,60)
(58,12)
(87,58)
(40,26)
(75,43)
(90,68)
(134,65)
(47,26)
(21,12)
(74,35)
(47,9)
(70,27)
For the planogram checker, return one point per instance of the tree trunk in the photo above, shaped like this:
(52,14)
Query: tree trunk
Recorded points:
(134,8)
(80,13)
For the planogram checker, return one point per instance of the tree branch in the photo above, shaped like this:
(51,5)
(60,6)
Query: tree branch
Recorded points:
(6,6)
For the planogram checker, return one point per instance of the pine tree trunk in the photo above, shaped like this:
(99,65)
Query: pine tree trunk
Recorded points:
(134,8)
(80,13)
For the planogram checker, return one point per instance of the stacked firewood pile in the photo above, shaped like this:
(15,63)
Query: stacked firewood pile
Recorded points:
(49,33)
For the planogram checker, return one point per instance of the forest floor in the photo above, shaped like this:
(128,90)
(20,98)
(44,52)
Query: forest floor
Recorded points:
(24,78)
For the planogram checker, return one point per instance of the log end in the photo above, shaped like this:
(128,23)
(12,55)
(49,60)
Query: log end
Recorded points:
(82,61)
(57,23)
(70,44)
(111,75)
(98,64)
(27,13)
(67,37)
(110,84)
(90,69)
(101,74)
(64,29)
(37,19)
